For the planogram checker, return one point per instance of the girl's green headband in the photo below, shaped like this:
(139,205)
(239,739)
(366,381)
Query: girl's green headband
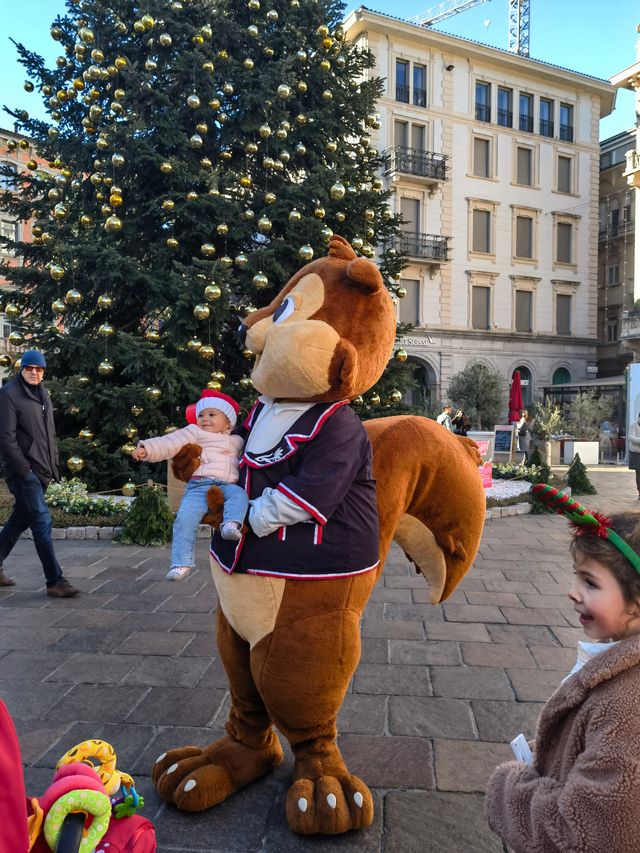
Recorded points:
(583,520)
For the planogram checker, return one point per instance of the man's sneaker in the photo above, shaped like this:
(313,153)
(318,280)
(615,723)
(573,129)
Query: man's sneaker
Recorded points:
(5,581)
(62,589)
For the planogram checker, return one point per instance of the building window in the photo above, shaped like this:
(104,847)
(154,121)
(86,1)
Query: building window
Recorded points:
(524,237)
(401,133)
(5,326)
(402,81)
(481,236)
(546,117)
(565,184)
(612,330)
(561,376)
(480,308)
(418,135)
(613,274)
(410,212)
(8,231)
(419,86)
(483,101)
(408,306)
(481,157)
(524,166)
(526,112)
(563,314)
(566,122)
(524,311)
(505,107)
(564,246)
(8,181)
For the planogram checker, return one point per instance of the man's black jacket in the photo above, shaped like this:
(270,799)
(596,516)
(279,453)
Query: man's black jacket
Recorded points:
(27,431)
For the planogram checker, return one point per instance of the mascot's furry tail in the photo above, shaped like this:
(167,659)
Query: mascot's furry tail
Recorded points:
(430,497)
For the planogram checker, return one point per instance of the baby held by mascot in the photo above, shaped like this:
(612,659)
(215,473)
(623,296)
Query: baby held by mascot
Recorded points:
(328,495)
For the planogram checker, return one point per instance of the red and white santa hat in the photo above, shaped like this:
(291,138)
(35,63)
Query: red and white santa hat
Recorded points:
(211,399)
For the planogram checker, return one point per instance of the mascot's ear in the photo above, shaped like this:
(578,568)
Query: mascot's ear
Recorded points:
(365,276)
(341,249)
(343,368)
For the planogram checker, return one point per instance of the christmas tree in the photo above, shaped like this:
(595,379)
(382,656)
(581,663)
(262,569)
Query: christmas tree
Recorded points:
(578,478)
(198,157)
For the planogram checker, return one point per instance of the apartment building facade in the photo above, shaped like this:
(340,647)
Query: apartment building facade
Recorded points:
(494,163)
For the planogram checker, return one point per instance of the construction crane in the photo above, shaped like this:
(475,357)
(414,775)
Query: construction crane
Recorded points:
(519,14)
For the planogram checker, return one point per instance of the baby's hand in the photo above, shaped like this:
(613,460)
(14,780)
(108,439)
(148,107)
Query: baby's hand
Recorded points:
(139,453)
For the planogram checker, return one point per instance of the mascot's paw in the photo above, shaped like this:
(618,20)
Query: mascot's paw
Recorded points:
(329,805)
(195,779)
(185,462)
(215,504)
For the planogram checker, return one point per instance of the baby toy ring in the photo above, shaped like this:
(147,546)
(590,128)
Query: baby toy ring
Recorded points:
(102,757)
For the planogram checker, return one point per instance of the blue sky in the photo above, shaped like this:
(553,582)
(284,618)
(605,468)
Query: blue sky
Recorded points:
(590,36)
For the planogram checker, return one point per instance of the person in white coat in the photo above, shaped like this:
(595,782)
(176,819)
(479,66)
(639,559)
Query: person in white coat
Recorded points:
(633,440)
(216,414)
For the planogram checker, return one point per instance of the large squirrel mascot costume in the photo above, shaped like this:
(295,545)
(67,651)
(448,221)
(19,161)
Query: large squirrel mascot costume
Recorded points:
(293,590)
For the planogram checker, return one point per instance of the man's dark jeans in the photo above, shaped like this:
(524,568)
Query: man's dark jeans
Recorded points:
(30,510)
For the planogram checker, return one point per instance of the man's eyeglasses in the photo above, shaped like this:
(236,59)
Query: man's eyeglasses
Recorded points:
(33,369)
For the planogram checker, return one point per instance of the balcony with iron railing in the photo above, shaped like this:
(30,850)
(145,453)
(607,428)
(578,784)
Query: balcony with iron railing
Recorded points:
(419,97)
(566,132)
(402,94)
(526,122)
(616,229)
(505,118)
(429,248)
(483,112)
(546,128)
(416,163)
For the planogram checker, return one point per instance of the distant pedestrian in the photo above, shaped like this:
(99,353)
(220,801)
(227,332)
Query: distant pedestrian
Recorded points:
(30,456)
(633,440)
(523,434)
(444,418)
(578,791)
(461,423)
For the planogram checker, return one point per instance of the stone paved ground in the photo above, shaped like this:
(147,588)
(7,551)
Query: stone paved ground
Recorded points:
(438,693)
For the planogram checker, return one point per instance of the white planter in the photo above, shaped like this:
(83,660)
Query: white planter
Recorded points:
(588,450)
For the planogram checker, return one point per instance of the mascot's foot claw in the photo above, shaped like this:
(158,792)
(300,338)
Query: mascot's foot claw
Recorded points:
(329,805)
(195,779)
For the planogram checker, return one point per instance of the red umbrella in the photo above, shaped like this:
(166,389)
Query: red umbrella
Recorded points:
(515,398)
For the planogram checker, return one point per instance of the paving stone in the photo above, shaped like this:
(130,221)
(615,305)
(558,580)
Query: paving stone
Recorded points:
(156,621)
(495,599)
(195,622)
(166,706)
(502,721)
(30,639)
(26,700)
(397,595)
(135,602)
(362,714)
(497,655)
(534,685)
(423,596)
(472,613)
(30,666)
(393,629)
(559,601)
(95,668)
(374,650)
(430,822)
(503,585)
(525,635)
(87,702)
(463,765)
(128,741)
(463,682)
(199,646)
(568,636)
(10,616)
(389,762)
(201,603)
(35,738)
(548,657)
(533,616)
(154,643)
(160,671)
(470,582)
(376,678)
(170,737)
(430,717)
(457,631)
(424,652)
(94,619)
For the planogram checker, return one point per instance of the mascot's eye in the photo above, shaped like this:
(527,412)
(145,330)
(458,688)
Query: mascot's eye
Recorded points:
(284,310)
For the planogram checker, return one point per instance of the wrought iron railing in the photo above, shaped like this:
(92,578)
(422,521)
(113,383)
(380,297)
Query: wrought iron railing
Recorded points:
(419,97)
(616,229)
(505,118)
(402,94)
(483,112)
(566,132)
(430,247)
(546,128)
(413,161)
(526,122)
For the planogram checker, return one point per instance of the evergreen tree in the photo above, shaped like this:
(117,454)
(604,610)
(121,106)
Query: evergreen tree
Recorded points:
(537,460)
(479,391)
(578,478)
(198,157)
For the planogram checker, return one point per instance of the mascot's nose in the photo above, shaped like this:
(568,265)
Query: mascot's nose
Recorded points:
(242,333)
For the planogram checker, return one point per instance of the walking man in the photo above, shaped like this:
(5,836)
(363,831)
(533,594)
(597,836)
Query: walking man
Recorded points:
(30,455)
(444,418)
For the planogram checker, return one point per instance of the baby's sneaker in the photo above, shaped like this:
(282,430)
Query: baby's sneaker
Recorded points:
(178,573)
(231,530)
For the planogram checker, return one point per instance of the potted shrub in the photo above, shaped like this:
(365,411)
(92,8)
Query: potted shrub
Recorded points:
(584,417)
(547,424)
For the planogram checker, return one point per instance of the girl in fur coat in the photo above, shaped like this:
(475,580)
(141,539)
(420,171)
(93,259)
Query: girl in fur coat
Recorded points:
(581,791)
(216,414)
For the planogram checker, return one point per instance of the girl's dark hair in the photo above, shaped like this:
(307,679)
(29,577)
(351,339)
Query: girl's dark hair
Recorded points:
(627,526)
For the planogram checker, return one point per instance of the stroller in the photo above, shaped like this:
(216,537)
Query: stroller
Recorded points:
(78,813)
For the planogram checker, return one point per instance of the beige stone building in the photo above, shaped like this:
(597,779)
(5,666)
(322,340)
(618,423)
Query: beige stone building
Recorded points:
(494,162)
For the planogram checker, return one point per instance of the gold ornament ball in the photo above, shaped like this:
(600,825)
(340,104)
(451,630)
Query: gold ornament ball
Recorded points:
(192,196)
(338,191)
(194,345)
(301,149)
(58,307)
(73,297)
(86,434)
(105,368)
(73,410)
(245,181)
(214,385)
(115,199)
(374,399)
(117,160)
(226,262)
(326,234)
(401,292)
(357,401)
(227,88)
(60,211)
(166,167)
(357,243)
(57,272)
(269,198)
(196,141)
(136,410)
(83,381)
(264,131)
(86,221)
(153,393)
(395,396)
(248,214)
(208,67)
(202,127)
(268,52)
(295,215)
(340,216)
(246,353)
(207,352)
(305,253)
(208,250)
(129,489)
(15,338)
(165,40)
(401,355)
(5,360)
(201,311)
(368,251)
(205,163)
(265,224)
(130,431)
(172,243)
(222,228)
(75,463)
(127,448)
(260,281)
(325,65)
(106,330)
(169,429)
(152,335)
(319,212)
(327,95)
(284,91)
(212,292)
(113,224)
(241,261)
